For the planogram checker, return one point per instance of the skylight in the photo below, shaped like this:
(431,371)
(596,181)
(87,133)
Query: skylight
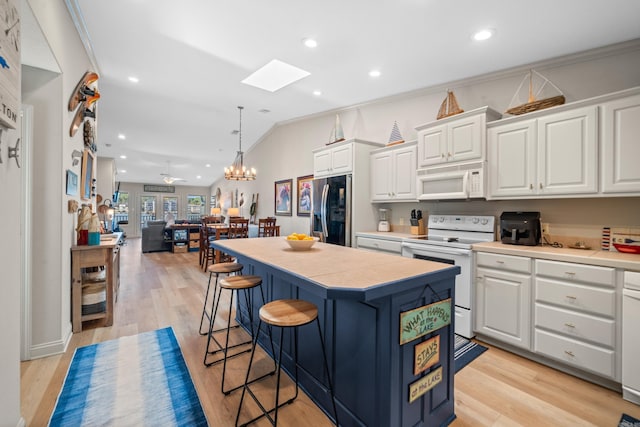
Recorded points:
(275,75)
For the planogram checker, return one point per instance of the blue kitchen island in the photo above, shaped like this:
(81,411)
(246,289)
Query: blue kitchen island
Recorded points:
(387,322)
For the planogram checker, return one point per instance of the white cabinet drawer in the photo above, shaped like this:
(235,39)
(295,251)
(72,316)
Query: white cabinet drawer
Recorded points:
(504,262)
(598,360)
(577,325)
(380,245)
(585,298)
(603,276)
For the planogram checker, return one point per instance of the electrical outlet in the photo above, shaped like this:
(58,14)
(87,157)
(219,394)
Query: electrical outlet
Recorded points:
(545,228)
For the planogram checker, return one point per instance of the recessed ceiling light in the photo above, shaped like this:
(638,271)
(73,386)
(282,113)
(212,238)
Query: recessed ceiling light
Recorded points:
(121,136)
(123,171)
(317,92)
(133,79)
(484,34)
(310,42)
(207,165)
(275,75)
(198,177)
(123,157)
(374,73)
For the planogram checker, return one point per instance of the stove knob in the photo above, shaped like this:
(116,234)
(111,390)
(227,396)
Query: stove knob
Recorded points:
(484,221)
(441,219)
(475,220)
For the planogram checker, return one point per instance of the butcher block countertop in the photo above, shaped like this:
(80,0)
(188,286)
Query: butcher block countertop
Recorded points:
(582,256)
(336,267)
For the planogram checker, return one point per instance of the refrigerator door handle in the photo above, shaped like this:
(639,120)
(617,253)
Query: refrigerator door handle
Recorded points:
(323,210)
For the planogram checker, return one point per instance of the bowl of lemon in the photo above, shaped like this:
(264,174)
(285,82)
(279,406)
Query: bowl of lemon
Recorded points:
(301,241)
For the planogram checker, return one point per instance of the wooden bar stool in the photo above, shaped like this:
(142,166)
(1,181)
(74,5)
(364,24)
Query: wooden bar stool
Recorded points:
(234,284)
(285,313)
(217,269)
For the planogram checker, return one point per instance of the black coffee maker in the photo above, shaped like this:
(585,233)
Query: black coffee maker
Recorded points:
(520,228)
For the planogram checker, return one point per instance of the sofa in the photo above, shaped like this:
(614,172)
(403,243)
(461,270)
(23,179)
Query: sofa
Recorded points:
(153,237)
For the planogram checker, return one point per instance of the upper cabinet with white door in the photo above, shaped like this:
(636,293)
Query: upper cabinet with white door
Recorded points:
(621,145)
(393,173)
(562,152)
(456,138)
(555,154)
(339,158)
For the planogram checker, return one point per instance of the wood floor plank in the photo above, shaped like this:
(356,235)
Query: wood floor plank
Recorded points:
(166,289)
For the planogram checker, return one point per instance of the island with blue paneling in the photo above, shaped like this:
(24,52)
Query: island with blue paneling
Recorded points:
(387,321)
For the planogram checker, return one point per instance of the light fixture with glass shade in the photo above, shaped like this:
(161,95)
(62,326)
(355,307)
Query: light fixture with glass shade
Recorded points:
(238,171)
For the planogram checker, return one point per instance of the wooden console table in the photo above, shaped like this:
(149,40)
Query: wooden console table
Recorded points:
(105,256)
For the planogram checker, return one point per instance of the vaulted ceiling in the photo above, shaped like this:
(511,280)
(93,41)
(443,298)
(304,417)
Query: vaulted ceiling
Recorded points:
(190,58)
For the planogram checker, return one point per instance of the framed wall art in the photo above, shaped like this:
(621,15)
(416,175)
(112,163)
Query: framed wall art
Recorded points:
(87,184)
(304,195)
(72,183)
(282,197)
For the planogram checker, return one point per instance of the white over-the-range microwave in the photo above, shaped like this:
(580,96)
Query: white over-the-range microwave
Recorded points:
(463,181)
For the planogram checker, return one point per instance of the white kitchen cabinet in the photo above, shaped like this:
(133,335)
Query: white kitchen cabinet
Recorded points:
(620,145)
(552,155)
(336,160)
(393,174)
(457,138)
(503,298)
(379,244)
(575,316)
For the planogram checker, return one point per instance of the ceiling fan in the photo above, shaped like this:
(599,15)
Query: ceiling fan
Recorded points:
(168,178)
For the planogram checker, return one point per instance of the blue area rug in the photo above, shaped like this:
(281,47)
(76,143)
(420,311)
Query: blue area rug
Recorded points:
(628,421)
(464,351)
(130,381)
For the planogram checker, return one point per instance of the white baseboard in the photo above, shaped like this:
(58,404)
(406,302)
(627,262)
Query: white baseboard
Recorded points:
(53,347)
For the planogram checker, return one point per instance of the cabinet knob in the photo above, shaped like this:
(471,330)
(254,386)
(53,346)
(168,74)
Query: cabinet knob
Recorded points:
(569,353)
(569,325)
(570,273)
(449,155)
(571,297)
(530,186)
(541,186)
(499,262)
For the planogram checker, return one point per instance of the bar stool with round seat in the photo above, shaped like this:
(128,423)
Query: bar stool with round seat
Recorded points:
(217,269)
(285,313)
(234,284)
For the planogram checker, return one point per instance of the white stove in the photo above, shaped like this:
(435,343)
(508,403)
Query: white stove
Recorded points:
(449,239)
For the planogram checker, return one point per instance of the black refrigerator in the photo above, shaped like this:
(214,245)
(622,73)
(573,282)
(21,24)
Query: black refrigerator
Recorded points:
(331,210)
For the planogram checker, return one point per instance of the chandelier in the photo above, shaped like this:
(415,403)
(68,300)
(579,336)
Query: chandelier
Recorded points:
(237,171)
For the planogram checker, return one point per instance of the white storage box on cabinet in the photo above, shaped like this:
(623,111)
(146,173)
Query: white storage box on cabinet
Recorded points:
(503,298)
(457,138)
(393,173)
(575,315)
(555,154)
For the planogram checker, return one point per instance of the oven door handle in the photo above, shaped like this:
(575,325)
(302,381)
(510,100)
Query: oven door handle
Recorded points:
(437,250)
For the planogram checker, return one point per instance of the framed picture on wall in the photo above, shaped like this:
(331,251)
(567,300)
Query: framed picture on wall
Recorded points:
(72,183)
(304,195)
(282,197)
(87,185)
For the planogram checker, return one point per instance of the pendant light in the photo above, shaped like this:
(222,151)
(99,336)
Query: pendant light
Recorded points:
(237,171)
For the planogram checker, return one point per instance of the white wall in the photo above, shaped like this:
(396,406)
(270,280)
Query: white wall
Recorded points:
(53,228)
(286,151)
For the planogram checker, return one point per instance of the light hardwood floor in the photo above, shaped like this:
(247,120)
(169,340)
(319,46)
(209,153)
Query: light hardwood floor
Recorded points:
(165,289)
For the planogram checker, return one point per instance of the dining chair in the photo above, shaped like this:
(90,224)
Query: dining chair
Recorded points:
(267,227)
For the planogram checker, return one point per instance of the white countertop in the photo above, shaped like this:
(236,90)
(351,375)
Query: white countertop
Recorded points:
(592,257)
